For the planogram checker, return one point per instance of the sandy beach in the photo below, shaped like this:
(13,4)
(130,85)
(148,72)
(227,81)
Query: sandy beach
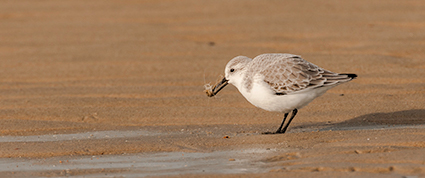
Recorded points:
(122,82)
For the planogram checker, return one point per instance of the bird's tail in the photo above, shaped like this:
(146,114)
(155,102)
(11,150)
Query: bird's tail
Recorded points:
(352,76)
(334,78)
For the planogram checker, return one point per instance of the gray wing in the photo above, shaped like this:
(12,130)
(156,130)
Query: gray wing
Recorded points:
(286,73)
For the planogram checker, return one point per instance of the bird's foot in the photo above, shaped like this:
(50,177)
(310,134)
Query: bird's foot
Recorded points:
(269,133)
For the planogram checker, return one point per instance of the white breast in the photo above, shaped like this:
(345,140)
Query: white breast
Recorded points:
(262,96)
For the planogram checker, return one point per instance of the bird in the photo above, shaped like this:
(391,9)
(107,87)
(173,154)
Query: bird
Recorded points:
(278,82)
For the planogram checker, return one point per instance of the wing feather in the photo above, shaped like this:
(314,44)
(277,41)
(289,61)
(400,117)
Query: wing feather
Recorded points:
(293,73)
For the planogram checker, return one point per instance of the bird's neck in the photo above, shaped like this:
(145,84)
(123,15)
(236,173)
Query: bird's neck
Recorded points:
(237,81)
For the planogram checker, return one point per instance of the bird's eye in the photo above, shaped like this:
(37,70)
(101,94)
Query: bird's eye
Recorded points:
(232,70)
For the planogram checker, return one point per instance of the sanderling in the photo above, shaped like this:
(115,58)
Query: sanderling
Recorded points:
(278,82)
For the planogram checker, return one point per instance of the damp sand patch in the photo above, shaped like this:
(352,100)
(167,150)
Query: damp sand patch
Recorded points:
(79,136)
(141,165)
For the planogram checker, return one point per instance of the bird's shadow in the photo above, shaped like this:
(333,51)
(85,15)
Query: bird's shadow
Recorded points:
(407,118)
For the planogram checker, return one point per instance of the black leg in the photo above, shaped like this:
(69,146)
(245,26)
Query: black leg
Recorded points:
(280,130)
(281,125)
(294,112)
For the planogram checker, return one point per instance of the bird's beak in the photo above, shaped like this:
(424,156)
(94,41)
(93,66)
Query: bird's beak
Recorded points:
(220,85)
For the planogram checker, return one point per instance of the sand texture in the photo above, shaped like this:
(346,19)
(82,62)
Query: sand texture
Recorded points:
(95,78)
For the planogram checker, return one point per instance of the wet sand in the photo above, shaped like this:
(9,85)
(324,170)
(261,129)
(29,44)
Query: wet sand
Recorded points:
(124,79)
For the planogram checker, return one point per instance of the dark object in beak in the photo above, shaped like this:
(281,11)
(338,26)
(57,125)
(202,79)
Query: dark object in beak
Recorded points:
(218,87)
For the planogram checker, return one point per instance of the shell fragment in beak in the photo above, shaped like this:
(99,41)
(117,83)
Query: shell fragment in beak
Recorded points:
(212,91)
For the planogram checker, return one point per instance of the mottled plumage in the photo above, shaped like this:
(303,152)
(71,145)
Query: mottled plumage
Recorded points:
(287,73)
(279,82)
